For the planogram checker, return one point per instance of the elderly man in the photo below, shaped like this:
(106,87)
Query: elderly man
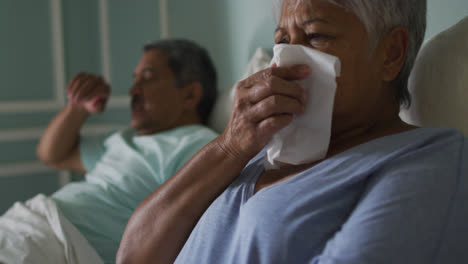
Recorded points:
(173,93)
(386,192)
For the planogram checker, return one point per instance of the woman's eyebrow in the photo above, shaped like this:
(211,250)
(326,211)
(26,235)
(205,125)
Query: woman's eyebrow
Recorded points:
(306,23)
(314,20)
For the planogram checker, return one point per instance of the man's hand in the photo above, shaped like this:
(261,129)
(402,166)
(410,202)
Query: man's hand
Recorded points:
(59,146)
(265,103)
(88,92)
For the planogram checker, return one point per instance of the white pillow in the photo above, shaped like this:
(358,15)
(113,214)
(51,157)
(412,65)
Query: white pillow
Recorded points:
(222,109)
(439,81)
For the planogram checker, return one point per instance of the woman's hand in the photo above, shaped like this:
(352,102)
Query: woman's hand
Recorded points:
(88,92)
(264,103)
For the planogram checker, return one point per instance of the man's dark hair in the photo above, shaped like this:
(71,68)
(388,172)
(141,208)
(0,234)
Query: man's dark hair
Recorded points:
(190,63)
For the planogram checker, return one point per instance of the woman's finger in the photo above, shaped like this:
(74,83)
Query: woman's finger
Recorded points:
(289,73)
(268,127)
(273,106)
(276,86)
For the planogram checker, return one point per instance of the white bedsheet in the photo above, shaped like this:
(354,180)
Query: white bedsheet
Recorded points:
(36,232)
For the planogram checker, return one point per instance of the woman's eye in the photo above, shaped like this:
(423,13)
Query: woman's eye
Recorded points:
(281,39)
(316,39)
(315,36)
(147,76)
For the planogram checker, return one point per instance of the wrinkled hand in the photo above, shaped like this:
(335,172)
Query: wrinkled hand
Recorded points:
(89,92)
(264,103)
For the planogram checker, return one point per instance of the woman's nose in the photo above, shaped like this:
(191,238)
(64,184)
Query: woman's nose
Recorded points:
(298,39)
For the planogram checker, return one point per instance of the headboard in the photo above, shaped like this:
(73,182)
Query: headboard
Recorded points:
(439,81)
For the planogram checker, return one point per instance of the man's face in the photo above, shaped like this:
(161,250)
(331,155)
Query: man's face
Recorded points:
(157,104)
(333,30)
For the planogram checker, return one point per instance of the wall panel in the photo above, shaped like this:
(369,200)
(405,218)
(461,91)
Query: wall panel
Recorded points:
(131,25)
(47,43)
(82,37)
(26,65)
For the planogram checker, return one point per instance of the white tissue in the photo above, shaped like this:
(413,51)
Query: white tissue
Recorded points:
(307,138)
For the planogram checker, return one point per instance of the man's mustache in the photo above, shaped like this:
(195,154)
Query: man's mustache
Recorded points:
(136,100)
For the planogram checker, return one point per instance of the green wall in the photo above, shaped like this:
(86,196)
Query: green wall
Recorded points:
(28,97)
(231,30)
(443,14)
(25,29)
(81,36)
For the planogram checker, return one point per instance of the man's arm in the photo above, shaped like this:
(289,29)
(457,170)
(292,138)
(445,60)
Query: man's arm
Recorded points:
(59,145)
(159,227)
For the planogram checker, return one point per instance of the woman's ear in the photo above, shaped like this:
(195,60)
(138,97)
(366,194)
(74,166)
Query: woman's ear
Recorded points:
(193,93)
(396,45)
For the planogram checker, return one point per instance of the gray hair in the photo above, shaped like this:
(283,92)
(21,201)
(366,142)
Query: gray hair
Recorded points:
(380,17)
(190,63)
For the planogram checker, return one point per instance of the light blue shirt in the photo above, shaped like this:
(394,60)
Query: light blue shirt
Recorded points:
(123,169)
(397,199)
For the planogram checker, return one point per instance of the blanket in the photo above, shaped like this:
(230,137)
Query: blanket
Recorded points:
(36,232)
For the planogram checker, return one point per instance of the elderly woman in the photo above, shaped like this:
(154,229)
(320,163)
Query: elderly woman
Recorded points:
(386,192)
